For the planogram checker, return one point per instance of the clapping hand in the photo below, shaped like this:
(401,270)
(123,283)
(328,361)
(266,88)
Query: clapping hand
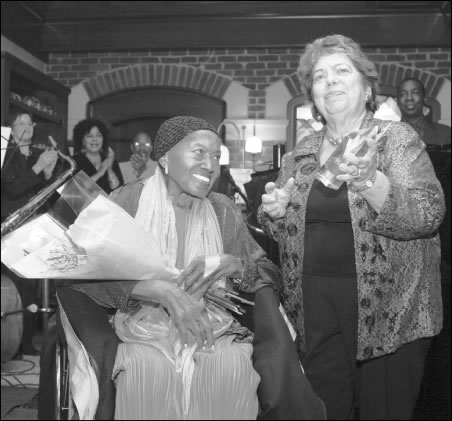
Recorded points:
(138,161)
(46,163)
(107,163)
(361,162)
(274,201)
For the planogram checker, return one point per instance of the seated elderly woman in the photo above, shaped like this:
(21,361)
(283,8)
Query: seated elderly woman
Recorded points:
(173,354)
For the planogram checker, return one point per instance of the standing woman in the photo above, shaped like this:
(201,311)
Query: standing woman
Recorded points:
(361,264)
(94,156)
(26,170)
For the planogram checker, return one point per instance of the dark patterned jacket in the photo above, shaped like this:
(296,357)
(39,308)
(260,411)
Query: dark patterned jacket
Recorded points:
(397,251)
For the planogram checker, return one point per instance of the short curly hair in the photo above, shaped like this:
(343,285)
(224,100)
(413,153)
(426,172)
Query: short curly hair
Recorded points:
(15,114)
(83,127)
(332,44)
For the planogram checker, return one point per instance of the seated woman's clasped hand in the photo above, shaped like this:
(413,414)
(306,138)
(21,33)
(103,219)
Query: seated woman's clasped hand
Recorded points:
(183,301)
(188,314)
(197,278)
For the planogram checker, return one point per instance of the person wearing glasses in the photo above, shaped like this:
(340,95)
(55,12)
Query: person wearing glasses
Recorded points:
(140,164)
(26,170)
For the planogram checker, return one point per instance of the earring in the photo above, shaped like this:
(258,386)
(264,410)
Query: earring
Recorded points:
(367,97)
(166,169)
(315,113)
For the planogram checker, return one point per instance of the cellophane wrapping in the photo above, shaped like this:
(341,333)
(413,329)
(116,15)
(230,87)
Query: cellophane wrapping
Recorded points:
(85,235)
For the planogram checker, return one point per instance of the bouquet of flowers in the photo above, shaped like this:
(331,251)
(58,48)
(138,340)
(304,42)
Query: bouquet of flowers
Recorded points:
(84,236)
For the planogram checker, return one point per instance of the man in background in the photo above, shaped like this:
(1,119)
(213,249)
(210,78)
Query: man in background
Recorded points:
(140,164)
(410,96)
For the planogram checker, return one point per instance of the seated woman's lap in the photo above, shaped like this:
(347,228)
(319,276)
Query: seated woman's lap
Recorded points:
(224,384)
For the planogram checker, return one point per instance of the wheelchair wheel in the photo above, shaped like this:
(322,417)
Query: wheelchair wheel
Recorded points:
(62,396)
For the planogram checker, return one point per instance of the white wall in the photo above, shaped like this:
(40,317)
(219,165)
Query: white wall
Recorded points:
(443,98)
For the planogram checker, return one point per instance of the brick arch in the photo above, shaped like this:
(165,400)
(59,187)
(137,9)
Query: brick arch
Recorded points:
(390,75)
(293,85)
(162,75)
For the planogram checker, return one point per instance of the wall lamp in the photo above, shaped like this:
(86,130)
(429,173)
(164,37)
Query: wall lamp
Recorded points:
(253,145)
(224,158)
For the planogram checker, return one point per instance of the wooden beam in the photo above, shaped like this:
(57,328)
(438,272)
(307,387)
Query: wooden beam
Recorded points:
(418,30)
(66,11)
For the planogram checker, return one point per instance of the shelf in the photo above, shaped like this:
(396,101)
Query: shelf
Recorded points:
(35,111)
(49,98)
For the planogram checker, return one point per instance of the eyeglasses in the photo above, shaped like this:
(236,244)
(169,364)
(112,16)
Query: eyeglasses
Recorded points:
(147,144)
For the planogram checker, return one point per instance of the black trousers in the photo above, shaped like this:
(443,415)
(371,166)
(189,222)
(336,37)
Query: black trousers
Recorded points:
(381,388)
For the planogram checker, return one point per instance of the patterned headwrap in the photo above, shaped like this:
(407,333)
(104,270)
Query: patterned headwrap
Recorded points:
(172,131)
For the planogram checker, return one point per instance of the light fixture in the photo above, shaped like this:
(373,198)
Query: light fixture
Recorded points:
(253,145)
(224,158)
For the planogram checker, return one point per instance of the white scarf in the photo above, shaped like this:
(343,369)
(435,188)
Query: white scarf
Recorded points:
(156,215)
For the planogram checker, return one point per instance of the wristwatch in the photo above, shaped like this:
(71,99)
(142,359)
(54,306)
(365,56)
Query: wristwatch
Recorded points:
(367,185)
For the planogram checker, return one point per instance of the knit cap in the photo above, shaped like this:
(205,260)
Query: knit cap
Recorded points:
(172,131)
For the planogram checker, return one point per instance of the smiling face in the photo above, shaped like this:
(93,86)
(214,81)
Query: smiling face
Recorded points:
(338,89)
(193,164)
(93,140)
(410,98)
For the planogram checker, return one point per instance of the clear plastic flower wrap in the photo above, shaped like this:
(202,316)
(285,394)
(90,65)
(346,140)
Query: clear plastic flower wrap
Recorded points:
(84,236)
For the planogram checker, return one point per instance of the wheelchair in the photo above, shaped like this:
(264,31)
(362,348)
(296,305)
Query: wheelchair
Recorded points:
(64,407)
(275,344)
(282,384)
(64,355)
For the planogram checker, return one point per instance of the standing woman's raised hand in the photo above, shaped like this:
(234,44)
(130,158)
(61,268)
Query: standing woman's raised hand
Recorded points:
(360,167)
(274,201)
